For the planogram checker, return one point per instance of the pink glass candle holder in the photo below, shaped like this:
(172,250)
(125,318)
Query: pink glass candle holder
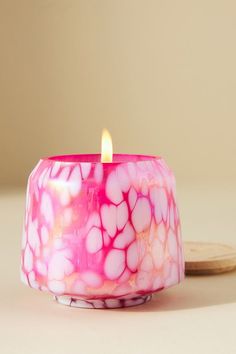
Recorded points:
(101,235)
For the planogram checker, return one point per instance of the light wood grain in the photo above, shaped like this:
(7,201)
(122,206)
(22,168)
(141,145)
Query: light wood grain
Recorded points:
(208,258)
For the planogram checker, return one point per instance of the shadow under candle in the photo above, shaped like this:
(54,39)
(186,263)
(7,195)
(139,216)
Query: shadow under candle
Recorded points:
(194,292)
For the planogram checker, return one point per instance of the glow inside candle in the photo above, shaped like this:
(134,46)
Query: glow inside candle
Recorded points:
(101,234)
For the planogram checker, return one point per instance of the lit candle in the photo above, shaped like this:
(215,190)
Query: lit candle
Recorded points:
(101,231)
(107,150)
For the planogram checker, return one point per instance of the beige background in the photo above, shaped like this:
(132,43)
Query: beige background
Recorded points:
(159,74)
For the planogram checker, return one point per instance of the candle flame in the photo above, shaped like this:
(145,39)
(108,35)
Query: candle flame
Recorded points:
(107,150)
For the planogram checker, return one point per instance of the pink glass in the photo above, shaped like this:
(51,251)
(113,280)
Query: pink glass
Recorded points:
(101,235)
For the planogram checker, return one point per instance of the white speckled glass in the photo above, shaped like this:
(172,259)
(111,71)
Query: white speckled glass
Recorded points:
(101,235)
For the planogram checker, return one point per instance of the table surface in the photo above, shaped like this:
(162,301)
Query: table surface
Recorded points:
(197,316)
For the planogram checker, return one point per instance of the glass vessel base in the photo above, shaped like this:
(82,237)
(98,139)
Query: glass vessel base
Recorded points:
(102,304)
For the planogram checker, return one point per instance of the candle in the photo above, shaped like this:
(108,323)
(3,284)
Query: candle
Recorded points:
(101,231)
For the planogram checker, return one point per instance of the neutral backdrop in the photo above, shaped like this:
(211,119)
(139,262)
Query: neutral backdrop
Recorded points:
(159,74)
